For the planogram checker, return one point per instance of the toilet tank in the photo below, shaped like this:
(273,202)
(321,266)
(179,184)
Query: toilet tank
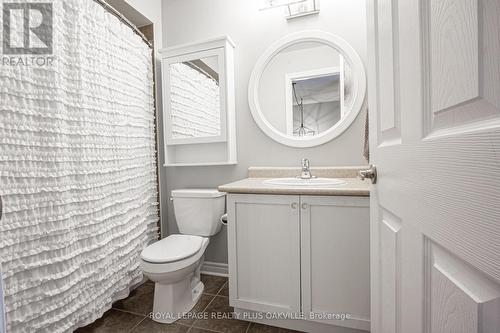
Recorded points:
(198,211)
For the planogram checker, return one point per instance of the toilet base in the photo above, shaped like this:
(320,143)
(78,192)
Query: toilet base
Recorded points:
(172,301)
(178,286)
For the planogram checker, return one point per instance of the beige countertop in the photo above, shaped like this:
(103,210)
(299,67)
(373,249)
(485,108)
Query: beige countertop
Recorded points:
(255,183)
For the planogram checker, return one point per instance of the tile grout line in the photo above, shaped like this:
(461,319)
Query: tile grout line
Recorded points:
(211,301)
(206,330)
(131,312)
(176,323)
(218,290)
(136,325)
(248,327)
(204,309)
(221,288)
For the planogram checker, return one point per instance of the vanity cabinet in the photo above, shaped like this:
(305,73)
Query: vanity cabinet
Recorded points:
(301,253)
(264,252)
(335,259)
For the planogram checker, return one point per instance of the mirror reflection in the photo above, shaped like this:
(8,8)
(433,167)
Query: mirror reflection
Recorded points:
(195,98)
(316,104)
(304,89)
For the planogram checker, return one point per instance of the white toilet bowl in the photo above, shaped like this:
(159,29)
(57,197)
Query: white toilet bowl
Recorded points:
(174,262)
(177,282)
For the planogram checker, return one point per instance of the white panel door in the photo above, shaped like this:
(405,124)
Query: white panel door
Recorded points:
(335,243)
(264,252)
(434,80)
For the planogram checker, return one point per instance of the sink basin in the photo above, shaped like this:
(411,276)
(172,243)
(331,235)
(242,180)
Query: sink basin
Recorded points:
(313,182)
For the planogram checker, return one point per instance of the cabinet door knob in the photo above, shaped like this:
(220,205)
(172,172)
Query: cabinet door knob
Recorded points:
(294,205)
(304,206)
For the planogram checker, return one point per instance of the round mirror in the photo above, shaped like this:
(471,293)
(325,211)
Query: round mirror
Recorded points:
(307,88)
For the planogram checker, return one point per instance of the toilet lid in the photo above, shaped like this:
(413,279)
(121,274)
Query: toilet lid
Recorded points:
(172,248)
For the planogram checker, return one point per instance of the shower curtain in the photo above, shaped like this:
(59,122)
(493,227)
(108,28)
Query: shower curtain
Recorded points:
(77,172)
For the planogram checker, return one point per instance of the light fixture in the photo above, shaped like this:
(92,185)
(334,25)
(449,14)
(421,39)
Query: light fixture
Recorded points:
(268,4)
(293,8)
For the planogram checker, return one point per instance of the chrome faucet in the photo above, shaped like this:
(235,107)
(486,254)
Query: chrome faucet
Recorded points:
(306,172)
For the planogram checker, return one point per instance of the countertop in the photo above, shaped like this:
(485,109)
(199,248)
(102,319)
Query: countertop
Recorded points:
(255,185)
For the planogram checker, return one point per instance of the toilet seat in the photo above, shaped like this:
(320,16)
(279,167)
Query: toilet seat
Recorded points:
(152,269)
(172,248)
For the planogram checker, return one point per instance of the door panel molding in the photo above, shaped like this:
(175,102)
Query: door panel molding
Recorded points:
(389,271)
(459,69)
(454,289)
(388,78)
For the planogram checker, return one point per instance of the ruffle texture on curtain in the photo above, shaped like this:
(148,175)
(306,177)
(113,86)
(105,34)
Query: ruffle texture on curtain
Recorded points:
(77,172)
(194,102)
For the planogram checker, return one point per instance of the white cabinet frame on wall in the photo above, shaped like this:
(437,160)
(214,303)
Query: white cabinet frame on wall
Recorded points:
(166,63)
(210,150)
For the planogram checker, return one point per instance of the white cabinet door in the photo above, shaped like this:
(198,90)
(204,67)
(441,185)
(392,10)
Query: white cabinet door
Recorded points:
(335,237)
(264,252)
(434,82)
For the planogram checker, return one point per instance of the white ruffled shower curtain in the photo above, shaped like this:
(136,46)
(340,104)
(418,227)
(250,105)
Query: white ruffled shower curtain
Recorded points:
(194,103)
(77,172)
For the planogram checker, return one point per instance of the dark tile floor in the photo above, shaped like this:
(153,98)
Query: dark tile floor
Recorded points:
(131,314)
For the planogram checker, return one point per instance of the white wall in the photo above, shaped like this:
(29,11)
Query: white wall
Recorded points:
(152,10)
(253,31)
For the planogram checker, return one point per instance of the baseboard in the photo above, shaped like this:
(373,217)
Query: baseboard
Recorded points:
(214,268)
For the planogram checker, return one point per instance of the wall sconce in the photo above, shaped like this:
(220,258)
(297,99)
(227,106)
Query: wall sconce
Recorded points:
(293,8)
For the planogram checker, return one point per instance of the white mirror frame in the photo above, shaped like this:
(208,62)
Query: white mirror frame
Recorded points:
(358,77)
(216,52)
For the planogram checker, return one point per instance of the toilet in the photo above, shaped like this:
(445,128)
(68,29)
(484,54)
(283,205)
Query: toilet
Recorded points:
(174,262)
